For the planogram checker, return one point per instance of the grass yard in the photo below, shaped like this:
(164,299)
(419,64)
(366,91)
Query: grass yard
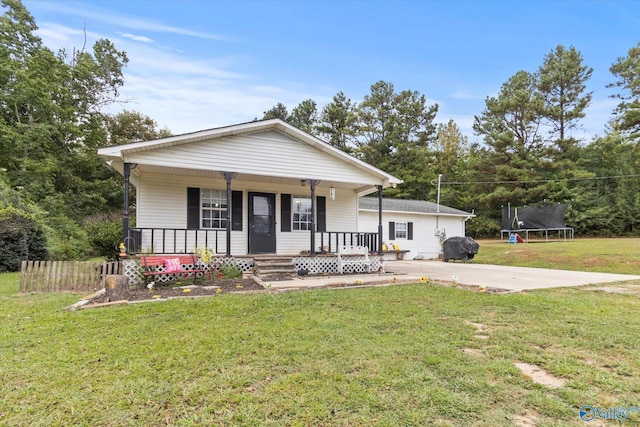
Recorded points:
(616,255)
(411,355)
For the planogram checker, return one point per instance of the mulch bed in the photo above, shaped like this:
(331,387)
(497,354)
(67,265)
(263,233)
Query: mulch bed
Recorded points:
(173,290)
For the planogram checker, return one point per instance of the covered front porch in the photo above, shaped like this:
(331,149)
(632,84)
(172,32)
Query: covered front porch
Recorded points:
(247,218)
(242,190)
(171,242)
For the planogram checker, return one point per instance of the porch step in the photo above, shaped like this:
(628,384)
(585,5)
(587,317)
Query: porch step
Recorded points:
(274,268)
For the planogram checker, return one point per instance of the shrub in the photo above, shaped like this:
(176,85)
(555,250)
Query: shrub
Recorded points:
(482,227)
(66,239)
(230,271)
(20,239)
(105,234)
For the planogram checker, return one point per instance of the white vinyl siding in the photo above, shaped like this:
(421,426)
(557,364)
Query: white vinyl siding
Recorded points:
(267,153)
(162,203)
(424,242)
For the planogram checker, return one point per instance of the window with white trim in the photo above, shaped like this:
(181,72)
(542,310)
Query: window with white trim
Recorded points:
(300,213)
(214,208)
(401,230)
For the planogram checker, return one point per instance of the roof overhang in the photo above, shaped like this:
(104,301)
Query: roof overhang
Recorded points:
(117,155)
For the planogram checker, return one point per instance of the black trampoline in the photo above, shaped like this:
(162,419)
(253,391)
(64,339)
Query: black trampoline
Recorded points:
(539,221)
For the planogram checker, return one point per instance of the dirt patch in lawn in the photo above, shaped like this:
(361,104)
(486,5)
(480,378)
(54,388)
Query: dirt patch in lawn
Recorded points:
(540,376)
(472,352)
(483,330)
(525,420)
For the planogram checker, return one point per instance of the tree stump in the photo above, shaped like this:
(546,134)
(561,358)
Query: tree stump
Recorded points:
(117,287)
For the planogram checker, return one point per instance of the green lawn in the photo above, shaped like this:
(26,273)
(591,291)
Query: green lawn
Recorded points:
(400,355)
(619,255)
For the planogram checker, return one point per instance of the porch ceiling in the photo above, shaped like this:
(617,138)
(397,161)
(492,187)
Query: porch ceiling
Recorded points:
(199,173)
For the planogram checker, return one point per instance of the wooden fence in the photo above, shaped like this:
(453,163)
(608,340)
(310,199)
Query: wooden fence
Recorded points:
(60,276)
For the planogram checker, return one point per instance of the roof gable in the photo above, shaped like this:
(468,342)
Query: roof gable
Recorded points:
(155,150)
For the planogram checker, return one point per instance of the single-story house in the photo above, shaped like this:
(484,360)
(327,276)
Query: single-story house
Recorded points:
(263,187)
(252,188)
(415,226)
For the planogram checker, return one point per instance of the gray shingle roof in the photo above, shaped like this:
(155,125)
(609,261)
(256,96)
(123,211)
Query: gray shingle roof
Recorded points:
(414,206)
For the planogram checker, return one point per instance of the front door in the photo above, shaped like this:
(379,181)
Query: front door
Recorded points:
(262,223)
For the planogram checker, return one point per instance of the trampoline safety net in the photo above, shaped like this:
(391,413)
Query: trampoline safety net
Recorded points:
(540,219)
(534,217)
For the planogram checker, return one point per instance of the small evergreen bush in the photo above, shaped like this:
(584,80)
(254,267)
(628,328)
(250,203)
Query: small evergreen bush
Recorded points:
(20,239)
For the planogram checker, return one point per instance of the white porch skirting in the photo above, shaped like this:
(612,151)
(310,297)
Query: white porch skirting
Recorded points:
(320,264)
(328,264)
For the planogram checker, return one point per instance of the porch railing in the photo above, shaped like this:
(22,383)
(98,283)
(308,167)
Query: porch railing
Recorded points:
(330,240)
(180,240)
(174,240)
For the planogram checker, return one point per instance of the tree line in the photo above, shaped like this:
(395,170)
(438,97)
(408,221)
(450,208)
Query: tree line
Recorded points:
(528,152)
(54,186)
(57,197)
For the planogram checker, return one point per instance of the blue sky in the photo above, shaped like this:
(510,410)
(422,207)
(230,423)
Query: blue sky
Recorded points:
(201,64)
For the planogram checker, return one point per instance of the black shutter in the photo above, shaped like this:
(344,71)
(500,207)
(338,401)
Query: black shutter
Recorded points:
(321,213)
(193,208)
(236,210)
(285,212)
(392,230)
(409,231)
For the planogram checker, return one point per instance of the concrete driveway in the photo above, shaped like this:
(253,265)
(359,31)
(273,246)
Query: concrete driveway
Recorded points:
(496,276)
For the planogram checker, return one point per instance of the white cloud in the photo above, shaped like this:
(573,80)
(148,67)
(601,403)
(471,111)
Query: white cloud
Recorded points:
(466,94)
(142,39)
(92,13)
(178,92)
(51,32)
(57,36)
(147,60)
(181,92)
(185,104)
(187,95)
